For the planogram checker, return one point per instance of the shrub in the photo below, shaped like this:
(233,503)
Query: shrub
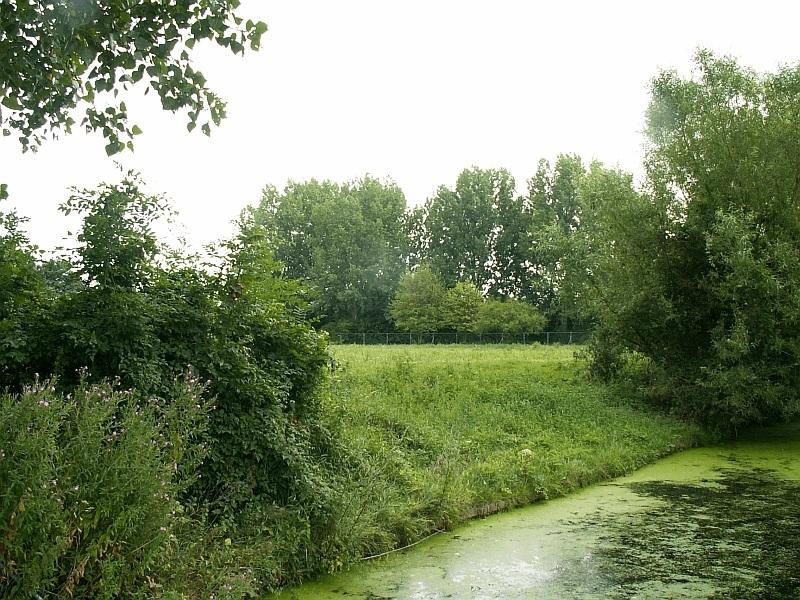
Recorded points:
(508,316)
(143,313)
(419,303)
(699,272)
(461,306)
(90,484)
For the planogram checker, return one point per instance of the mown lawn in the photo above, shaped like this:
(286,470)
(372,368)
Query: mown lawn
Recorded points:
(439,434)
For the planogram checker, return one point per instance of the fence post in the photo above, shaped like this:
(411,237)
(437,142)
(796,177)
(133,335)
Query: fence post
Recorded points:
(570,338)
(548,337)
(363,339)
(524,338)
(387,339)
(409,339)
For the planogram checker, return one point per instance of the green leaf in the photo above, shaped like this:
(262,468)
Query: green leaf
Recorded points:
(3,191)
(136,130)
(11,102)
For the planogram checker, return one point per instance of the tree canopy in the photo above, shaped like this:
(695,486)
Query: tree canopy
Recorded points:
(455,230)
(64,62)
(345,240)
(701,271)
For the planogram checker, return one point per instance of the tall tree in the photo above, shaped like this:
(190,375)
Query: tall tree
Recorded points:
(345,240)
(703,276)
(455,231)
(555,215)
(59,56)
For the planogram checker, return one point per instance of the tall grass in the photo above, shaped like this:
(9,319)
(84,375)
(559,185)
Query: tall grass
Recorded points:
(439,434)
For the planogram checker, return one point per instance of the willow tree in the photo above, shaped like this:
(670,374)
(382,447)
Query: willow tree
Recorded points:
(701,272)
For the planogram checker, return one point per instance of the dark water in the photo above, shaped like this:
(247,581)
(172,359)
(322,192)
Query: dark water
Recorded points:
(720,522)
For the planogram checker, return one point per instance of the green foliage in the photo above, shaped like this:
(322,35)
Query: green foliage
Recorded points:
(508,316)
(556,217)
(509,246)
(419,303)
(461,306)
(142,314)
(264,363)
(22,297)
(455,230)
(701,274)
(58,275)
(423,304)
(117,242)
(90,484)
(439,434)
(345,241)
(61,56)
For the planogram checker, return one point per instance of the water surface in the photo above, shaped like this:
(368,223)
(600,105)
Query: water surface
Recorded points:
(721,522)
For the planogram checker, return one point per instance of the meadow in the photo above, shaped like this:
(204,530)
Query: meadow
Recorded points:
(441,434)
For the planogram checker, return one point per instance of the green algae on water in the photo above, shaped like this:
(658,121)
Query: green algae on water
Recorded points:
(717,523)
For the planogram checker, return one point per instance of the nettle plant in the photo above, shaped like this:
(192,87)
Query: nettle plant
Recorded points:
(91,485)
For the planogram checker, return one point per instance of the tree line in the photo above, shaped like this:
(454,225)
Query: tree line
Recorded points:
(364,253)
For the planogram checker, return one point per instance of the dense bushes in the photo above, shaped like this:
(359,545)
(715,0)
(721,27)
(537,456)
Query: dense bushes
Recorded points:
(508,316)
(423,304)
(91,482)
(129,310)
(143,315)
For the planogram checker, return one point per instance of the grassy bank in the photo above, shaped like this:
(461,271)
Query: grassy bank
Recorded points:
(440,434)
(406,441)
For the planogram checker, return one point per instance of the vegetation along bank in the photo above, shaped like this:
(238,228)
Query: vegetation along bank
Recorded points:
(175,426)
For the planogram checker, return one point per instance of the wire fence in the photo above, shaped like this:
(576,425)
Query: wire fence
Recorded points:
(533,337)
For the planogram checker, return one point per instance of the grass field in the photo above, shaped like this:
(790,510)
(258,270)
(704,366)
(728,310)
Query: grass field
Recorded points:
(440,434)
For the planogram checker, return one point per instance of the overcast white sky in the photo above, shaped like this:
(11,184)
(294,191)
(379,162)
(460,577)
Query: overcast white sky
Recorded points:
(414,90)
